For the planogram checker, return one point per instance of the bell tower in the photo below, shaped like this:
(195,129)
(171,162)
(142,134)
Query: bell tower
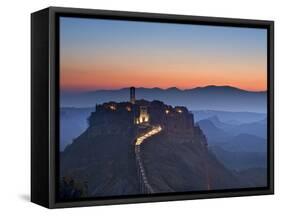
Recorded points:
(132,95)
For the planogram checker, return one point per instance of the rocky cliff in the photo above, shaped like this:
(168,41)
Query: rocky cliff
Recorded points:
(176,159)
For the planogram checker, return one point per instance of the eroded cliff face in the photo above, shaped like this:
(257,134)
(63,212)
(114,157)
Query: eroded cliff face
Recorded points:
(174,165)
(176,159)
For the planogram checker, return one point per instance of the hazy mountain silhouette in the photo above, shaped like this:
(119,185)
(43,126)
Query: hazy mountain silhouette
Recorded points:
(240,160)
(232,118)
(246,143)
(258,128)
(213,133)
(237,146)
(215,128)
(225,98)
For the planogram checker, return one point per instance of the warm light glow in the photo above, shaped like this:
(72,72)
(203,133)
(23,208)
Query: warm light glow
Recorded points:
(112,107)
(128,109)
(144,116)
(155,130)
(179,110)
(167,111)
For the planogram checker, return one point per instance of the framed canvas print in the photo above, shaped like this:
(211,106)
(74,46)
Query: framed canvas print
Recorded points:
(139,107)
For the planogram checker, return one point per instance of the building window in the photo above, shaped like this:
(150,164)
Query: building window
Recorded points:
(129,109)
(112,107)
(143,116)
(179,110)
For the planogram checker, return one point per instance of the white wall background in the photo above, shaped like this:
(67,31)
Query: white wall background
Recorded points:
(15,107)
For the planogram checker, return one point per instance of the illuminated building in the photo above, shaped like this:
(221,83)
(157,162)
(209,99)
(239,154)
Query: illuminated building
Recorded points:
(144,116)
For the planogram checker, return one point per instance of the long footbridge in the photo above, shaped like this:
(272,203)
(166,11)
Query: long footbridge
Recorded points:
(145,186)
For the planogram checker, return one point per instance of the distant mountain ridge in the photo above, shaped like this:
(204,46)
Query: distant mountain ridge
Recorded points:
(208,87)
(225,98)
(219,131)
(238,146)
(234,118)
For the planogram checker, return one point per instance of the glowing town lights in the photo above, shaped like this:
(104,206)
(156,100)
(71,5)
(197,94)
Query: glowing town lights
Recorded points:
(179,110)
(167,111)
(128,109)
(112,107)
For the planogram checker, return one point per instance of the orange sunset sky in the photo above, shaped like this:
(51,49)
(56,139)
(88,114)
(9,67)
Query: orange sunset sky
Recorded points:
(107,54)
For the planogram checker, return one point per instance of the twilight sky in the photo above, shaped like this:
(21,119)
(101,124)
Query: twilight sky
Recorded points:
(108,54)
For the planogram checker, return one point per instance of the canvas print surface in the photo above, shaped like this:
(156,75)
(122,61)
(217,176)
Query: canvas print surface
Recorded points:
(153,108)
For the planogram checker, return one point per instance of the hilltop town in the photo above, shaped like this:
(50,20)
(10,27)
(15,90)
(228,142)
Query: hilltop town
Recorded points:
(142,116)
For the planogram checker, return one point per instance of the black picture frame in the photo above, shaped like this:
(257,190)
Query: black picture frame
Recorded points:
(45,104)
